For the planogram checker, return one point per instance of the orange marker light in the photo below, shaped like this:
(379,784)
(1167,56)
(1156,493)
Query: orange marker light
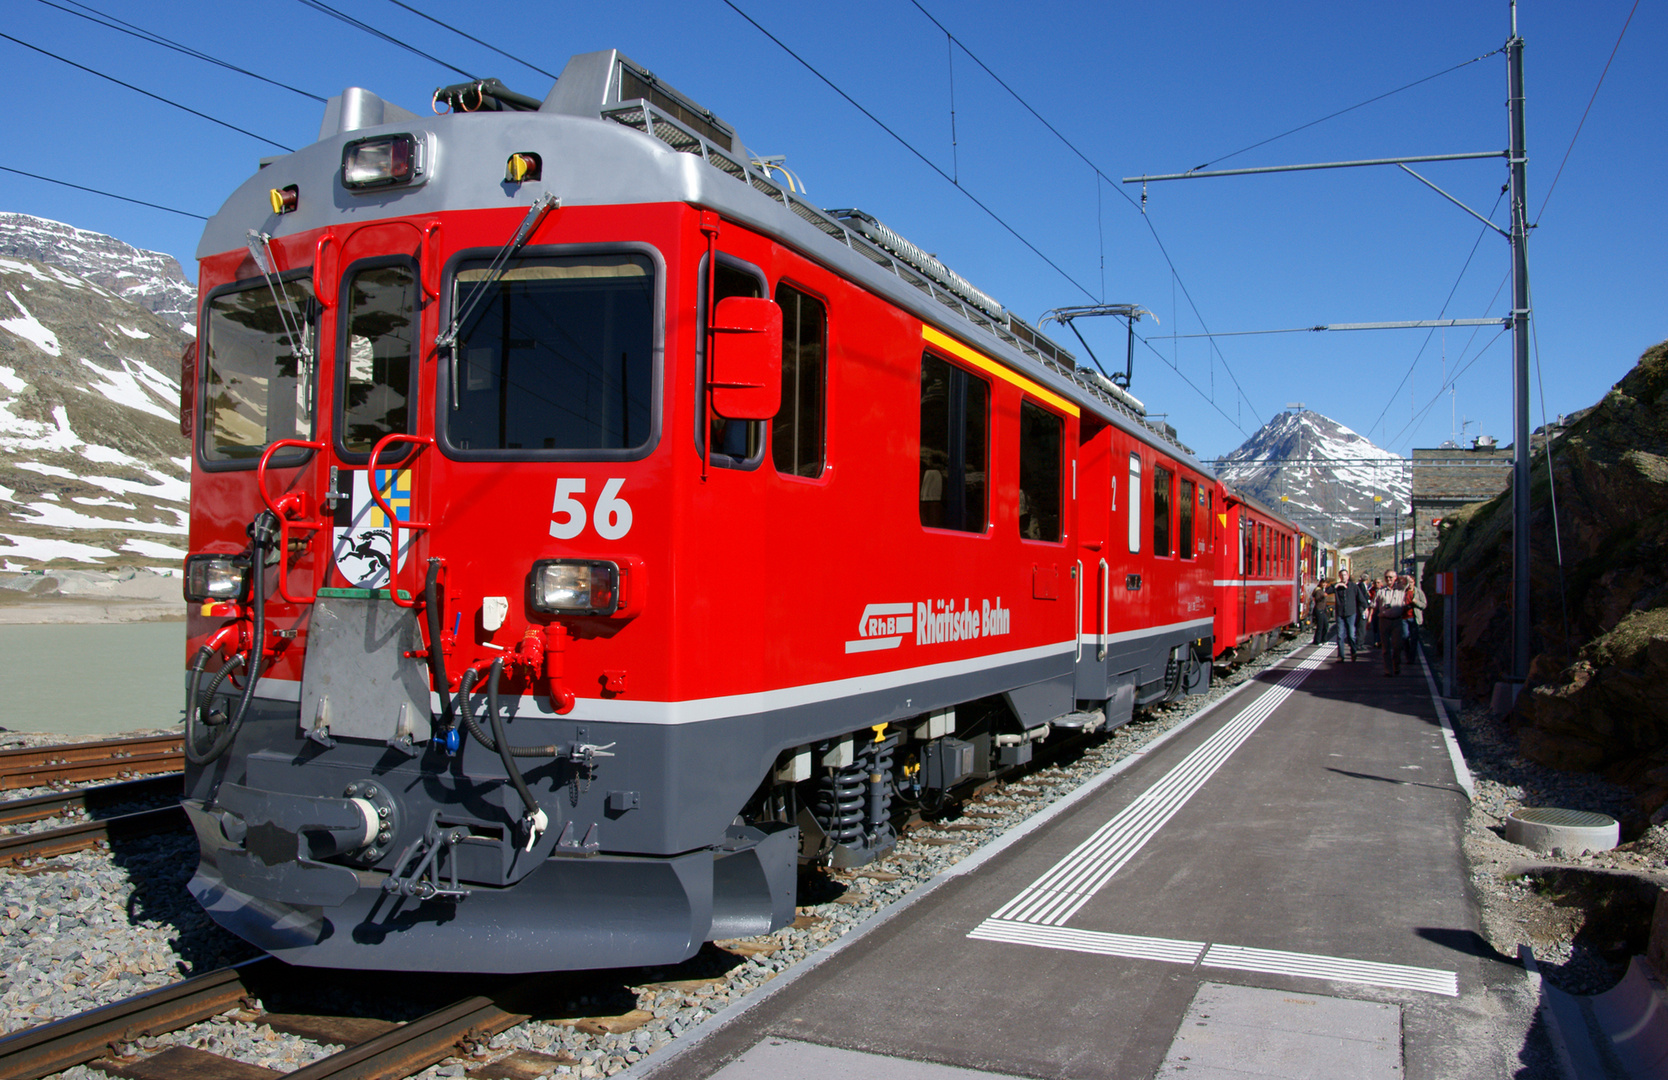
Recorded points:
(522,167)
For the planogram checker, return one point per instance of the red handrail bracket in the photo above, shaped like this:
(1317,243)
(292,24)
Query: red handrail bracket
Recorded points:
(281,509)
(394,523)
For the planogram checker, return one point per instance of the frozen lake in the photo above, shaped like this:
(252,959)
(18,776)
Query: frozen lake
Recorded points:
(84,679)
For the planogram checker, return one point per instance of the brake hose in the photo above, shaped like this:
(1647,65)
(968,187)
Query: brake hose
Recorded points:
(480,735)
(437,653)
(260,534)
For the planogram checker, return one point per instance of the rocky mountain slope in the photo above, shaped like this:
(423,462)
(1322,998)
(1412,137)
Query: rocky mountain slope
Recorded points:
(147,278)
(1594,698)
(93,469)
(1328,474)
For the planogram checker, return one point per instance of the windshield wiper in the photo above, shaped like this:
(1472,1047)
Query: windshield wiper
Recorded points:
(260,249)
(448,338)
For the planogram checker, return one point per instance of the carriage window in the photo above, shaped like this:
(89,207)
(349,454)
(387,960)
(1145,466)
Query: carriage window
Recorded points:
(380,330)
(1134,501)
(955,426)
(1185,507)
(1039,473)
(1248,548)
(558,355)
(796,432)
(1161,510)
(258,375)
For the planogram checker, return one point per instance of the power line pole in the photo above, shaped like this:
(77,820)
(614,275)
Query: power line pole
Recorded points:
(1520,361)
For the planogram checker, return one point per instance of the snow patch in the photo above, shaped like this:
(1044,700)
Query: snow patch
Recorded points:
(140,334)
(30,329)
(101,501)
(40,549)
(15,267)
(45,470)
(9,379)
(58,516)
(128,387)
(152,550)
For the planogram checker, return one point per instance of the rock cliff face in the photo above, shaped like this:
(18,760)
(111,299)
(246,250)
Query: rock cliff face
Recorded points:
(150,279)
(93,469)
(1595,697)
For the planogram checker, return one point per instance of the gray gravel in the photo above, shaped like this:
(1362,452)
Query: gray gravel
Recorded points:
(90,928)
(1517,906)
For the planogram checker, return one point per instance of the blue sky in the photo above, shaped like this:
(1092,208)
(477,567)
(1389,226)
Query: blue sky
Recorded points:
(1137,88)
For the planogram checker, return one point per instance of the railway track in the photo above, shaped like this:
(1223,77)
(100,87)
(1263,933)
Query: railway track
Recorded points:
(107,759)
(374,1049)
(78,836)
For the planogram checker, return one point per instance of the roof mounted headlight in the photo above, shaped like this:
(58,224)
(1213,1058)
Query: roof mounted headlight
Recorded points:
(216,577)
(575,586)
(382,161)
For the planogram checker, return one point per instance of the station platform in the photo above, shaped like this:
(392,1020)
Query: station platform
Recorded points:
(1278,889)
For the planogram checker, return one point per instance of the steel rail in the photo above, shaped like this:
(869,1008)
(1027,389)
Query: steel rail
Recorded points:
(86,834)
(38,766)
(415,1045)
(37,807)
(75,1040)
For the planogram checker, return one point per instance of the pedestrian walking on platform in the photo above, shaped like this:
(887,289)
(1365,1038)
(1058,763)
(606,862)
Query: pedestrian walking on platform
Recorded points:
(1388,608)
(1413,617)
(1349,601)
(1320,599)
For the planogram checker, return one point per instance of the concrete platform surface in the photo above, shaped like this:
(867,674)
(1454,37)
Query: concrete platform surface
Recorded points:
(1302,840)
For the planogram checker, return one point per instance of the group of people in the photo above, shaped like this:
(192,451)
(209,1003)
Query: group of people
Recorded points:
(1392,609)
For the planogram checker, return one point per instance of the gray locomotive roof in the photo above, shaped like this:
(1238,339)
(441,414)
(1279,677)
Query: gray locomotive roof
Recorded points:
(599,149)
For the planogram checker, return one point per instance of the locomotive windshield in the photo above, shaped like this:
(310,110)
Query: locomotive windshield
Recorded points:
(557,356)
(258,376)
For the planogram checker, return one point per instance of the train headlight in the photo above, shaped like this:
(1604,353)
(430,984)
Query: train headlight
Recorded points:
(381,161)
(215,577)
(576,586)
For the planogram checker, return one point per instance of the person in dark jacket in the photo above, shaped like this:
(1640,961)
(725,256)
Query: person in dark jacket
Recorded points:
(1349,602)
(1320,603)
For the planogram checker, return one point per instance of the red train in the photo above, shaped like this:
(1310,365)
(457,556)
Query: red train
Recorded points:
(586,531)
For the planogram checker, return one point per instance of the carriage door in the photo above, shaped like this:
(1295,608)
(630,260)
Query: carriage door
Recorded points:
(1093,482)
(377,314)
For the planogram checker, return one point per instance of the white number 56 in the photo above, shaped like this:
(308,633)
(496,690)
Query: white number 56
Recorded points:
(568,516)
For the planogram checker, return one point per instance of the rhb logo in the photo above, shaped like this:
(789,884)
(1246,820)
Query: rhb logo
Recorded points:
(931,622)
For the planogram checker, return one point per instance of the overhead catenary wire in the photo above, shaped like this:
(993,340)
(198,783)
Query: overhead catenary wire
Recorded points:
(1427,342)
(147,93)
(106,194)
(906,144)
(94,15)
(483,44)
(1101,176)
(1584,112)
(357,24)
(1341,112)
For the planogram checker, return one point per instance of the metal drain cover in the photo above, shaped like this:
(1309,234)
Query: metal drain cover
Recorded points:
(1542,828)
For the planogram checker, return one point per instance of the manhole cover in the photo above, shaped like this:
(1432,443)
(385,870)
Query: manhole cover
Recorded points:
(1542,828)
(1546,815)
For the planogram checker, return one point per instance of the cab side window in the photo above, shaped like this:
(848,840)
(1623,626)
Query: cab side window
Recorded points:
(796,434)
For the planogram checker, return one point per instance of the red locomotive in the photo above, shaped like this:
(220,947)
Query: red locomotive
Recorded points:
(586,531)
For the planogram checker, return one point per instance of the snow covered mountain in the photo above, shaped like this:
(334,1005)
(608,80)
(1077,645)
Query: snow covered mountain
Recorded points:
(147,278)
(93,468)
(1327,473)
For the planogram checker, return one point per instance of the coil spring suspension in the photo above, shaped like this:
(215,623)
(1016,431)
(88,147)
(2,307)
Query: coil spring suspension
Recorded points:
(877,761)
(839,803)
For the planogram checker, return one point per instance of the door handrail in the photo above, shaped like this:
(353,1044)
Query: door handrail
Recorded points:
(422,442)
